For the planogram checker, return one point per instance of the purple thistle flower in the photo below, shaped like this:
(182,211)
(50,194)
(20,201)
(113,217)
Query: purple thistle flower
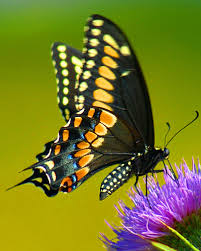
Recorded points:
(176,204)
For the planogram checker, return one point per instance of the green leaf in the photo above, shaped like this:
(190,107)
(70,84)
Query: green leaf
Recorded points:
(162,246)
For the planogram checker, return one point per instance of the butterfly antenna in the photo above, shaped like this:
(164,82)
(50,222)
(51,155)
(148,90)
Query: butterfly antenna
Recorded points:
(197,115)
(167,123)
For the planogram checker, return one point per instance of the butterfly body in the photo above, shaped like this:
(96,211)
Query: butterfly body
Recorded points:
(104,99)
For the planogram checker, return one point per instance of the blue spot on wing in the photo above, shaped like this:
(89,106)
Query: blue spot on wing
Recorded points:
(74,178)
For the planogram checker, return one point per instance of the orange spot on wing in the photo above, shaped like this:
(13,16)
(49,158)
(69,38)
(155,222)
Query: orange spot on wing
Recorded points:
(81,173)
(69,189)
(57,149)
(100,129)
(109,62)
(91,112)
(77,121)
(110,51)
(102,105)
(66,182)
(83,145)
(82,153)
(98,142)
(65,135)
(108,118)
(90,136)
(102,95)
(104,84)
(104,71)
(85,160)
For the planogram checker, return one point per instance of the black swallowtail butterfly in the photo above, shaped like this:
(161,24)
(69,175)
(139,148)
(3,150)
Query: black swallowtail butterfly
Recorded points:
(103,97)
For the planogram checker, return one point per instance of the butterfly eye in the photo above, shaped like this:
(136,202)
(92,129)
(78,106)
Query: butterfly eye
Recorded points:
(166,153)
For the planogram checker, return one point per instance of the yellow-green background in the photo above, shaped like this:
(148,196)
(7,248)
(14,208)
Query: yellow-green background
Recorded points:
(167,39)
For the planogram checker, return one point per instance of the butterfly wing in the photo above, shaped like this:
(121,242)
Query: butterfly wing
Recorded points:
(89,142)
(68,67)
(113,76)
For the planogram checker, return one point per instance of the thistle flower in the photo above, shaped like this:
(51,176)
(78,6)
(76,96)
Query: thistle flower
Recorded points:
(170,214)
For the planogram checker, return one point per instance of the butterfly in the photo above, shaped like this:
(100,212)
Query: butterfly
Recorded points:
(104,100)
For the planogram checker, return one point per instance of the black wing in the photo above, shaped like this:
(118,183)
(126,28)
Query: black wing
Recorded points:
(68,66)
(113,76)
(88,143)
(106,75)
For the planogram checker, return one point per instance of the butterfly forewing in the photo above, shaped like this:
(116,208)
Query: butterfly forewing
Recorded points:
(113,76)
(68,67)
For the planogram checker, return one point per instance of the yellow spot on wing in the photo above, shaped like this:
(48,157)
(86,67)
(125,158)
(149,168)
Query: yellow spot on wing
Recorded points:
(54,177)
(63,64)
(104,71)
(109,62)
(83,86)
(97,22)
(94,42)
(78,69)
(86,28)
(90,64)
(95,32)
(65,100)
(65,90)
(108,118)
(86,74)
(92,52)
(125,50)
(81,99)
(75,60)
(110,40)
(79,106)
(102,105)
(65,81)
(111,52)
(104,84)
(61,48)
(102,95)
(85,160)
(50,164)
(65,72)
(62,55)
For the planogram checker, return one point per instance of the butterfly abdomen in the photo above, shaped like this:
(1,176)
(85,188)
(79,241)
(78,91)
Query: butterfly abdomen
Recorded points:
(115,179)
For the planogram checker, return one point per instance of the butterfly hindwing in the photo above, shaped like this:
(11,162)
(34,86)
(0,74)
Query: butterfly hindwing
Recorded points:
(89,142)
(68,66)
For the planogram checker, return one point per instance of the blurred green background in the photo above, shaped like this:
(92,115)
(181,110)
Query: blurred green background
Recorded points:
(166,37)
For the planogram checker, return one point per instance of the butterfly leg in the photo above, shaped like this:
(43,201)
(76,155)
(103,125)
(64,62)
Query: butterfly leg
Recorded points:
(135,185)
